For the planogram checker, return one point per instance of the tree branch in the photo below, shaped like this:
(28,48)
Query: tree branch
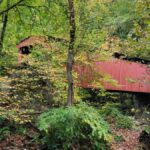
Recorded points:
(11,7)
(2,33)
(55,39)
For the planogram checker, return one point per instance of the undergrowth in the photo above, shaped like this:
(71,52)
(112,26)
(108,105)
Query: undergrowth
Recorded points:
(76,127)
(113,114)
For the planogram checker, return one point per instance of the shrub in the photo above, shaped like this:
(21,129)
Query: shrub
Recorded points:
(4,132)
(113,114)
(124,122)
(78,127)
(111,110)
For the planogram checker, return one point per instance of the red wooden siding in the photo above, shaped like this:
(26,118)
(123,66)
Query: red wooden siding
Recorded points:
(131,76)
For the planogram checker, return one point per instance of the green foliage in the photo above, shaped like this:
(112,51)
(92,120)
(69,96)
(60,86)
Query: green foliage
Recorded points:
(9,127)
(121,17)
(2,119)
(40,84)
(112,112)
(4,129)
(21,130)
(100,96)
(36,85)
(124,122)
(147,130)
(78,126)
(24,90)
(118,138)
(4,132)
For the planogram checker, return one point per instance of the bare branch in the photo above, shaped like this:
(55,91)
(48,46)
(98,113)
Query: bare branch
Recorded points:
(56,39)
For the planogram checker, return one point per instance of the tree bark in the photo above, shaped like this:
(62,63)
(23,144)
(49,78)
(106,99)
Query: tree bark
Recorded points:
(2,34)
(4,25)
(70,60)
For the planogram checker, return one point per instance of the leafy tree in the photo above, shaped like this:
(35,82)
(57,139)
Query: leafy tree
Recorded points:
(99,26)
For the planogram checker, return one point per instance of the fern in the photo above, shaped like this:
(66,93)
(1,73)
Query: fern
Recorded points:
(64,128)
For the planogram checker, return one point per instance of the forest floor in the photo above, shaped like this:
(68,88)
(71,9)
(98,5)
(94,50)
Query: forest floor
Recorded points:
(126,139)
(11,138)
(20,142)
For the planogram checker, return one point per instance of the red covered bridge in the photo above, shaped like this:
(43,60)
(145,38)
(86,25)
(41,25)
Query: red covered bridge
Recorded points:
(130,76)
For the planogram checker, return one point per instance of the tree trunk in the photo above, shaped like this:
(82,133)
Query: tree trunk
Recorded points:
(70,60)
(4,25)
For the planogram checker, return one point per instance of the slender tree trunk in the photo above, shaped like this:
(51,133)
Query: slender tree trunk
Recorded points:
(70,60)
(2,33)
